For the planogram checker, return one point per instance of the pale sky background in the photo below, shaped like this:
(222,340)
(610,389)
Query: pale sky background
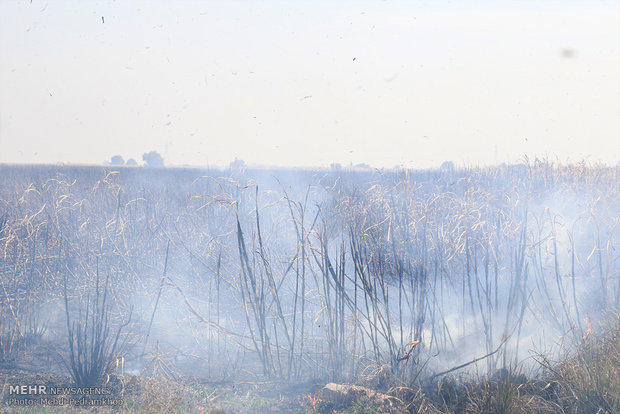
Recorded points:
(309,83)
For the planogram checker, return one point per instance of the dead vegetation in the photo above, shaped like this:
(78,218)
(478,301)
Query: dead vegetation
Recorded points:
(94,345)
(408,284)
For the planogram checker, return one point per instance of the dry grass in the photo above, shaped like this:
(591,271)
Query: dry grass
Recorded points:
(588,379)
(333,282)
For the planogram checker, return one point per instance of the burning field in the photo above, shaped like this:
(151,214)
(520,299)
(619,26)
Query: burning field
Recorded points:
(493,290)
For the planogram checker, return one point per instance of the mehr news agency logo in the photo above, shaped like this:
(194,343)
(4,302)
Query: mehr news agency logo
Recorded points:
(33,395)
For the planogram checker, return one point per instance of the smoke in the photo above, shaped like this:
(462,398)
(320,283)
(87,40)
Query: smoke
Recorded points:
(297,274)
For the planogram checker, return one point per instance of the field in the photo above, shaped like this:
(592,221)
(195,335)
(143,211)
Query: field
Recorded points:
(185,290)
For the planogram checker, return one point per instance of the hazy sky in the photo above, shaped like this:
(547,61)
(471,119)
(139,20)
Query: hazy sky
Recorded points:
(309,83)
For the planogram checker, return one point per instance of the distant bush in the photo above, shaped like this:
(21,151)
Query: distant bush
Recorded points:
(237,165)
(447,166)
(153,159)
(117,160)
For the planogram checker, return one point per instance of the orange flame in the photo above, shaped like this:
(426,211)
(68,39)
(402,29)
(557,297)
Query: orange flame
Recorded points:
(588,327)
(313,400)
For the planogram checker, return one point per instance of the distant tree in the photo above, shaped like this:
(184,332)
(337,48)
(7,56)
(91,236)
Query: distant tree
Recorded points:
(336,166)
(447,166)
(153,159)
(237,164)
(131,161)
(117,160)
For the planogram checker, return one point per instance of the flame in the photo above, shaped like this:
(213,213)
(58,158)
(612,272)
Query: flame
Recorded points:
(588,327)
(313,400)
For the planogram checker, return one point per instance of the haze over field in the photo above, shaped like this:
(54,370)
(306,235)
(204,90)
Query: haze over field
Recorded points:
(309,83)
(392,206)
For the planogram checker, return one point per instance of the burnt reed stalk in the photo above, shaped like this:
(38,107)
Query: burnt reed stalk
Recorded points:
(93,343)
(253,299)
(275,297)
